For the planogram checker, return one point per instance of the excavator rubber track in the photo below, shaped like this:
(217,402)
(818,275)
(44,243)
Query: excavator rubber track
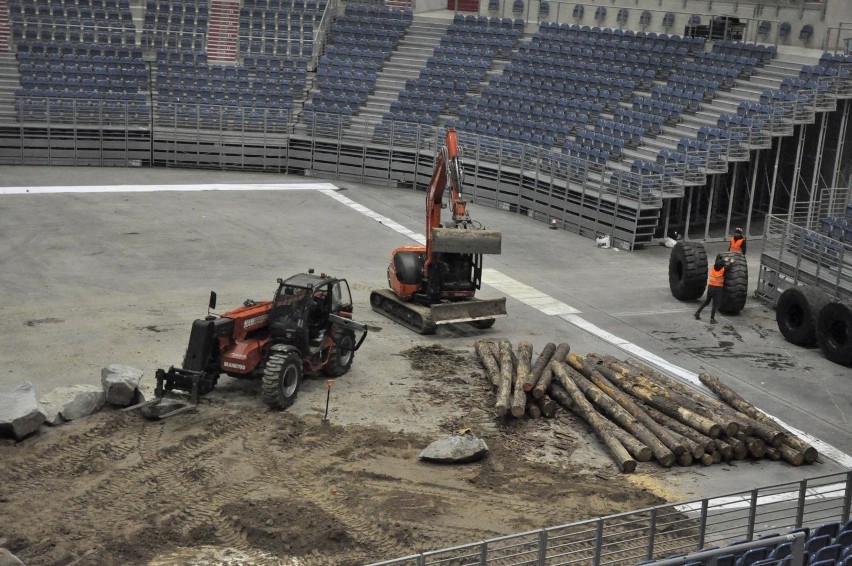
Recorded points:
(425,320)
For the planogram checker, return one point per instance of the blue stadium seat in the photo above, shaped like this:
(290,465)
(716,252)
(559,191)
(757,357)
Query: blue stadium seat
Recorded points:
(784,30)
(806,33)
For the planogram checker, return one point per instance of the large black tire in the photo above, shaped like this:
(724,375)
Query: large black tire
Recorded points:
(688,270)
(735,291)
(796,314)
(281,379)
(834,332)
(341,356)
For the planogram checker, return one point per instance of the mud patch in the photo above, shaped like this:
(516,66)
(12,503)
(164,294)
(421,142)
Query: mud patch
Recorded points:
(36,322)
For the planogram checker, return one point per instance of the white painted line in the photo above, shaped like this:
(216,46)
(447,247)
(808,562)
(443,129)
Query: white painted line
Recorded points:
(169,188)
(823,492)
(550,306)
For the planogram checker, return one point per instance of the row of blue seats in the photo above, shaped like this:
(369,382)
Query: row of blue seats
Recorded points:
(566,28)
(229,74)
(53,38)
(253,15)
(707,87)
(550,66)
(628,184)
(344,53)
(749,127)
(456,74)
(385,45)
(471,20)
(632,135)
(584,157)
(620,78)
(175,6)
(570,83)
(688,100)
(838,228)
(366,33)
(612,145)
(175,18)
(725,76)
(83,85)
(836,60)
(370,21)
(58,51)
(564,123)
(194,116)
(335,75)
(18,7)
(275,29)
(744,64)
(651,124)
(538,103)
(378,11)
(764,53)
(559,44)
(304,5)
(669,111)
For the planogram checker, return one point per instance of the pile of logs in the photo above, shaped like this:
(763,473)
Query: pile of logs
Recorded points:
(637,412)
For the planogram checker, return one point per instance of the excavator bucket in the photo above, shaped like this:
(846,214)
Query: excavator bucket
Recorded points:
(468,311)
(466,241)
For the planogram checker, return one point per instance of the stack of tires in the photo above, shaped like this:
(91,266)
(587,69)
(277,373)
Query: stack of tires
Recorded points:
(688,269)
(806,316)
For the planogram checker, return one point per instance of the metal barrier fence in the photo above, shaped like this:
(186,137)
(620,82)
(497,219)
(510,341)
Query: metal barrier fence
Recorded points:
(657,532)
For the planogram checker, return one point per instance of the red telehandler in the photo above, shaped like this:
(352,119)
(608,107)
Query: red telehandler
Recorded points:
(436,283)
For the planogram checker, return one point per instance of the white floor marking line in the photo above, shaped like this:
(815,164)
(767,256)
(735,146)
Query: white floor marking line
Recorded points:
(170,188)
(829,491)
(550,306)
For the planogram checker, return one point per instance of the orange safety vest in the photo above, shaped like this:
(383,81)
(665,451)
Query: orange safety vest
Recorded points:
(717,277)
(736,245)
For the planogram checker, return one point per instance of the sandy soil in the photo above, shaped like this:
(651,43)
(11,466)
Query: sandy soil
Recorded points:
(235,483)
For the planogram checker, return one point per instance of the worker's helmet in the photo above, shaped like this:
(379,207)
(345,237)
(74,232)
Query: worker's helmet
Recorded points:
(738,231)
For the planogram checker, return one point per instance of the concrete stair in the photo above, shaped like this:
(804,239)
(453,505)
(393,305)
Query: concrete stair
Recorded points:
(5,27)
(9,81)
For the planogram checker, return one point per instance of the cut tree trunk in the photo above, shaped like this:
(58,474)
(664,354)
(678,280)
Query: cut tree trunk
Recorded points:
(533,410)
(695,442)
(809,453)
(603,428)
(544,380)
(540,363)
(548,406)
(620,415)
(485,352)
(605,381)
(522,374)
(507,375)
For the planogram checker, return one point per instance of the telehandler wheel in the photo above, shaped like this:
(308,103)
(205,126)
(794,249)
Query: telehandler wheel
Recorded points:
(281,379)
(483,324)
(342,355)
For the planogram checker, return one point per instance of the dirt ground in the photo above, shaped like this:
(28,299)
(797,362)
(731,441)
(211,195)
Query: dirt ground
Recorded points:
(236,485)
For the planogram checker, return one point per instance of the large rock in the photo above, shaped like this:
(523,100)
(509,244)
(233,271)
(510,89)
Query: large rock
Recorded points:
(9,559)
(75,401)
(455,449)
(120,383)
(20,412)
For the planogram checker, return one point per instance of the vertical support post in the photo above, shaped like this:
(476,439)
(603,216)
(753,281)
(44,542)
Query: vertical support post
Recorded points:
(733,189)
(666,209)
(598,542)
(794,186)
(710,199)
(841,142)
(752,514)
(800,505)
(652,531)
(688,195)
(817,165)
(769,209)
(705,503)
(542,547)
(752,189)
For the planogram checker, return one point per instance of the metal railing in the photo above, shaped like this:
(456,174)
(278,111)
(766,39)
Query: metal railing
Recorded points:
(661,531)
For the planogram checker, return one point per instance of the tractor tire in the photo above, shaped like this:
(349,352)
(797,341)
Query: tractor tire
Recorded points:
(281,379)
(796,314)
(735,291)
(341,357)
(688,271)
(483,324)
(207,383)
(834,332)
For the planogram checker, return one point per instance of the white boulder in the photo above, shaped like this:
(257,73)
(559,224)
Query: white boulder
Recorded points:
(74,401)
(20,412)
(120,383)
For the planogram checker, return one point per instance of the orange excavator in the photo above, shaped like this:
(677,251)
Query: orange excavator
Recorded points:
(436,283)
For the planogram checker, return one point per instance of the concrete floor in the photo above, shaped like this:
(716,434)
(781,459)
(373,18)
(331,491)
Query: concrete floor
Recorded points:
(93,278)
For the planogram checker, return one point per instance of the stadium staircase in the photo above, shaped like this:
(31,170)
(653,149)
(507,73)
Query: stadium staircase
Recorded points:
(410,56)
(222,35)
(5,28)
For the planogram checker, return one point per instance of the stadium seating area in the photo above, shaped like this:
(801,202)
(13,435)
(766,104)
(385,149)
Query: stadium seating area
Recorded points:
(829,544)
(279,27)
(839,228)
(174,25)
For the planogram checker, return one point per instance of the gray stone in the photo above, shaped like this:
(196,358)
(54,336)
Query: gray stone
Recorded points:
(9,559)
(120,383)
(455,449)
(20,412)
(75,401)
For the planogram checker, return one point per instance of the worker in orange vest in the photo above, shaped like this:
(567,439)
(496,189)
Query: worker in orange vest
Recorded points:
(738,242)
(715,282)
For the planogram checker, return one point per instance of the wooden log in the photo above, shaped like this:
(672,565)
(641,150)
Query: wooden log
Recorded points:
(695,442)
(602,377)
(705,405)
(791,455)
(685,459)
(507,376)
(699,417)
(533,410)
(603,428)
(485,353)
(809,453)
(548,406)
(546,377)
(620,415)
(740,451)
(636,449)
(655,396)
(773,453)
(756,447)
(725,449)
(522,374)
(538,367)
